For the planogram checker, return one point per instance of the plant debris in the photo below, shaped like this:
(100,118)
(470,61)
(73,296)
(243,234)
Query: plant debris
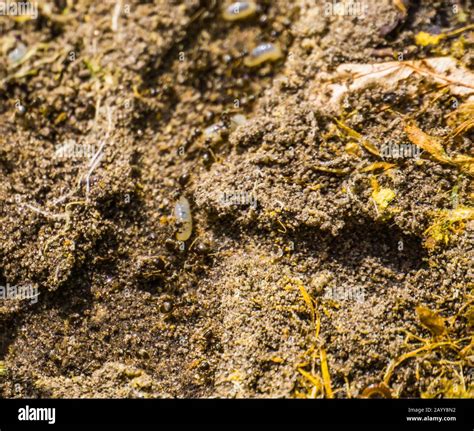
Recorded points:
(264,199)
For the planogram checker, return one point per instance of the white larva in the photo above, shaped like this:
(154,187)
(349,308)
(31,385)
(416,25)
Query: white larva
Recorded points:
(263,53)
(214,132)
(18,53)
(238,120)
(239,10)
(182,214)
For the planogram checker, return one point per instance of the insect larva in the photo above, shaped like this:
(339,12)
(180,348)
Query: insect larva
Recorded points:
(238,120)
(239,10)
(214,132)
(18,53)
(182,213)
(263,53)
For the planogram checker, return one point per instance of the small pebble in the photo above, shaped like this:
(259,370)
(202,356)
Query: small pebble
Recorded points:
(204,366)
(206,158)
(209,115)
(170,244)
(166,307)
(202,248)
(20,110)
(183,179)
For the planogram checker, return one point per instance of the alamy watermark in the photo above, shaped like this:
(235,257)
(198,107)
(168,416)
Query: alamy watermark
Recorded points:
(73,150)
(14,8)
(237,197)
(342,293)
(400,151)
(345,8)
(22,292)
(45,414)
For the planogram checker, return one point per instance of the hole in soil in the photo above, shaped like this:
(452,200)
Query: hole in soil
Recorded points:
(389,244)
(358,240)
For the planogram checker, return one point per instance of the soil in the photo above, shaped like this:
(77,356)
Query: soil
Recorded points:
(296,281)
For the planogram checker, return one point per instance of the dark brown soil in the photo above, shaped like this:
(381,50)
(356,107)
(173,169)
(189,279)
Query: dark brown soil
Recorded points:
(294,266)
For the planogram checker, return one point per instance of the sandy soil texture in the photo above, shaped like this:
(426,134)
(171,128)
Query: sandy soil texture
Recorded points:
(329,182)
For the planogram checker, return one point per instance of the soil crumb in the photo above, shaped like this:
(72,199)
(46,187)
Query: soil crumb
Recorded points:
(275,203)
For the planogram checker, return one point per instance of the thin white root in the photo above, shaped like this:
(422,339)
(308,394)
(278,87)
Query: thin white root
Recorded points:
(116,15)
(45,213)
(97,157)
